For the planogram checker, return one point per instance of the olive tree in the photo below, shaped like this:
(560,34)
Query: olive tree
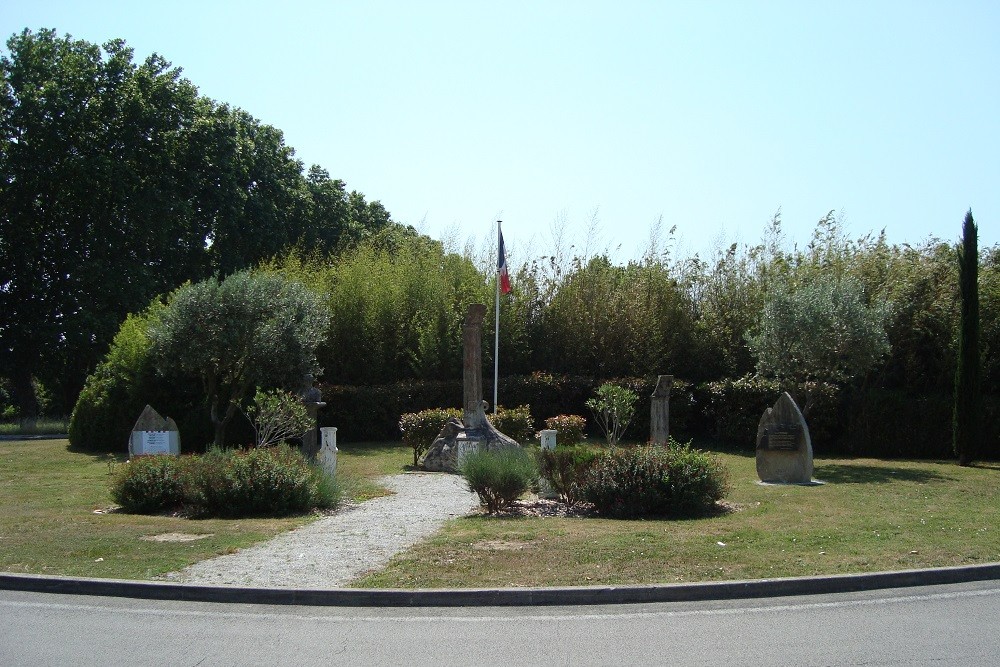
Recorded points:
(247,331)
(823,331)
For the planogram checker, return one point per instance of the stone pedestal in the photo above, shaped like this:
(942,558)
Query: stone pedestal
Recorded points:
(327,456)
(310,439)
(659,411)
(784,449)
(474,431)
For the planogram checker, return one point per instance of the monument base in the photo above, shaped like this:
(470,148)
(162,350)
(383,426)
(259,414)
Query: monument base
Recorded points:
(456,441)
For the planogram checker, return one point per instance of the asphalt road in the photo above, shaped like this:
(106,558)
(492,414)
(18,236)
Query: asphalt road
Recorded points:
(936,625)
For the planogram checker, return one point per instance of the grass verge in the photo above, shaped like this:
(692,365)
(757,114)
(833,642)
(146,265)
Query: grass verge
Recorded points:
(871,515)
(49,520)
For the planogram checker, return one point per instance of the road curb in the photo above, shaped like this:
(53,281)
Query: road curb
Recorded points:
(501,597)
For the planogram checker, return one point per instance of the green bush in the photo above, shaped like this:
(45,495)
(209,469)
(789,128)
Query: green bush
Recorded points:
(421,428)
(654,481)
(499,477)
(570,428)
(613,407)
(268,481)
(565,468)
(514,422)
(150,484)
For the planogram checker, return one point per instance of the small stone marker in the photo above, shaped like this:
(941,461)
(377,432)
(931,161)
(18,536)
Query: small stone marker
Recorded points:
(152,434)
(327,456)
(549,438)
(784,449)
(659,410)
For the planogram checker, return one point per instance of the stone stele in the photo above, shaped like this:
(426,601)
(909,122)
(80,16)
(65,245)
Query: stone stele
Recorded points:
(784,449)
(474,431)
(154,434)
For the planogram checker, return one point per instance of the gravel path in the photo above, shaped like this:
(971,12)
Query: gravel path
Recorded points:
(333,551)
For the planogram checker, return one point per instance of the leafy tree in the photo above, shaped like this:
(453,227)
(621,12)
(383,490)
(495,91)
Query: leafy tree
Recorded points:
(822,331)
(249,330)
(613,407)
(968,398)
(277,416)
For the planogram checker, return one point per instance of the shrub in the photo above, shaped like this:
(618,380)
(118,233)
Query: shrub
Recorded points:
(654,481)
(499,477)
(277,416)
(613,407)
(421,428)
(570,428)
(150,484)
(565,468)
(515,422)
(259,482)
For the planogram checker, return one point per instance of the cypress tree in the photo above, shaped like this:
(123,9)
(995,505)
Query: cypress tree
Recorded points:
(968,399)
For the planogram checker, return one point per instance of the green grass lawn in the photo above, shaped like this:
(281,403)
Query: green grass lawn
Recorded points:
(48,524)
(871,515)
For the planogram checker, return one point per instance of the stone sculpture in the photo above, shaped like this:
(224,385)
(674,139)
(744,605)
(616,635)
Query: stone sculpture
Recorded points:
(474,431)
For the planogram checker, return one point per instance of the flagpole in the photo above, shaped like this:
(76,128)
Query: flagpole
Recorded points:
(496,330)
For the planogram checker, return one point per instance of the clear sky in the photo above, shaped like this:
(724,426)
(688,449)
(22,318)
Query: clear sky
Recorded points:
(712,115)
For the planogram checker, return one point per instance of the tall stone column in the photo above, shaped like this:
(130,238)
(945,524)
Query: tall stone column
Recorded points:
(659,415)
(473,415)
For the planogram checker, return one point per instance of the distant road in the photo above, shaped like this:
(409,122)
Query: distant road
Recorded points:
(939,625)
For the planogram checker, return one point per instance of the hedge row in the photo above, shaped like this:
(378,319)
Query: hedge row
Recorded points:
(878,423)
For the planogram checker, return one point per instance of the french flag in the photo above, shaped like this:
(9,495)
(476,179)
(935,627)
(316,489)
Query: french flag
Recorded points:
(502,274)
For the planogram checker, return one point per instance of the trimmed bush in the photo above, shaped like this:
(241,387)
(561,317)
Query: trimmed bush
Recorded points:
(570,428)
(499,477)
(514,422)
(150,484)
(655,481)
(421,428)
(565,468)
(269,481)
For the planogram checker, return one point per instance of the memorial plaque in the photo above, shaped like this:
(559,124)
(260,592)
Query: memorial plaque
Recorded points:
(155,442)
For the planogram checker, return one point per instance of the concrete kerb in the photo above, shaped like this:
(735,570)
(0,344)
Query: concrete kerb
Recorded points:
(502,597)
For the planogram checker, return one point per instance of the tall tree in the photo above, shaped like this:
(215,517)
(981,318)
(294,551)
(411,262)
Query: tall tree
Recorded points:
(968,397)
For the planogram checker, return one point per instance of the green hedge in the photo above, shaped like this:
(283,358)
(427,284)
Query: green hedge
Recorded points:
(266,481)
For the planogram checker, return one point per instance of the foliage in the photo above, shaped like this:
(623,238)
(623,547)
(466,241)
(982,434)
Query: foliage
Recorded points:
(569,428)
(514,422)
(655,481)
(277,416)
(613,407)
(968,399)
(420,429)
(251,329)
(151,484)
(268,481)
(118,182)
(823,331)
(565,469)
(499,477)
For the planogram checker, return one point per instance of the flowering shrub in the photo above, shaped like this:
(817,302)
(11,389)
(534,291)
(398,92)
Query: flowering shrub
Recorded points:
(570,428)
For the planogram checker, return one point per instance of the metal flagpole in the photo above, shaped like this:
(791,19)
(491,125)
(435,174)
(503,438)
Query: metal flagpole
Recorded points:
(496,329)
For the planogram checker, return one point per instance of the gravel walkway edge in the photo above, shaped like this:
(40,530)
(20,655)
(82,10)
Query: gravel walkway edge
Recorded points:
(337,549)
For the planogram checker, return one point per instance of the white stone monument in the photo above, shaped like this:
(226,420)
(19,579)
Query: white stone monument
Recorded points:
(327,456)
(152,434)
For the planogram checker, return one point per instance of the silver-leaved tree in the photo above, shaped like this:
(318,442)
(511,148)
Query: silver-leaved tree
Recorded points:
(247,331)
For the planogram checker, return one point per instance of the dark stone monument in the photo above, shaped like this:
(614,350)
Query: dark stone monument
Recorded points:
(312,398)
(659,410)
(784,449)
(474,432)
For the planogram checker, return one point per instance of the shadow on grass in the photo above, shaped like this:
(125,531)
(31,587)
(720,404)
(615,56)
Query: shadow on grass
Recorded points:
(835,473)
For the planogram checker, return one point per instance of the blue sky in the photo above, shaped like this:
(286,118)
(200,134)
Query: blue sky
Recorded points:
(711,115)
